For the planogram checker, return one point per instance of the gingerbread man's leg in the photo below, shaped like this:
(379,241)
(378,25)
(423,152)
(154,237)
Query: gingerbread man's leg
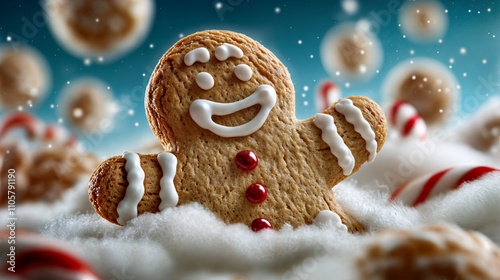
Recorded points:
(123,187)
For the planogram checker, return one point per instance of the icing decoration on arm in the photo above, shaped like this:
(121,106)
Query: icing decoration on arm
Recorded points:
(419,190)
(354,116)
(201,111)
(204,80)
(168,194)
(327,217)
(331,137)
(226,51)
(243,72)
(199,54)
(127,208)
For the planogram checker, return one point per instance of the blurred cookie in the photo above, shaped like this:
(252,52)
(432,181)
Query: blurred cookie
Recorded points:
(430,252)
(24,77)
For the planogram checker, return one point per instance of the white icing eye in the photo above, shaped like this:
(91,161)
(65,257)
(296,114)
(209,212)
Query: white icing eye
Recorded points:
(243,72)
(205,80)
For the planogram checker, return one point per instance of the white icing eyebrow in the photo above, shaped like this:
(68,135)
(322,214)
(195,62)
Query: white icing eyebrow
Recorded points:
(199,54)
(226,51)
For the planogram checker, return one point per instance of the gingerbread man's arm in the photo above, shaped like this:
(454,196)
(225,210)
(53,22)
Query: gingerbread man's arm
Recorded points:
(109,183)
(345,135)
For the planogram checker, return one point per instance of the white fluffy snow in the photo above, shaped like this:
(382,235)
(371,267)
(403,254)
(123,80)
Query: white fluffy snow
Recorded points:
(189,242)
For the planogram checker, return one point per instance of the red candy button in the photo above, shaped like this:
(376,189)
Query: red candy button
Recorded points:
(256,193)
(260,224)
(246,160)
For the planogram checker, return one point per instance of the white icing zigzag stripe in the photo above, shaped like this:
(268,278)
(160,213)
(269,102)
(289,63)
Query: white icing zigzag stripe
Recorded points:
(168,194)
(332,138)
(201,111)
(354,116)
(127,208)
(226,51)
(199,54)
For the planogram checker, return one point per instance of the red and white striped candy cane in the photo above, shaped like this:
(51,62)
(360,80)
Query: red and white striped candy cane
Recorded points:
(420,189)
(327,92)
(57,133)
(406,120)
(36,129)
(39,258)
(28,122)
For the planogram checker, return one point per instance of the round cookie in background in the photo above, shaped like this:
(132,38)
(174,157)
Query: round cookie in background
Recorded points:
(427,85)
(423,21)
(24,76)
(85,103)
(429,252)
(103,29)
(350,52)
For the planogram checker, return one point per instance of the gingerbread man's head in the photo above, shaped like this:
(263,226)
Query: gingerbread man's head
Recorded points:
(248,83)
(222,106)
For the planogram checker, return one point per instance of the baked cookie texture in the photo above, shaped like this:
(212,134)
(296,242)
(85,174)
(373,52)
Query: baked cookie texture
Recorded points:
(296,167)
(429,252)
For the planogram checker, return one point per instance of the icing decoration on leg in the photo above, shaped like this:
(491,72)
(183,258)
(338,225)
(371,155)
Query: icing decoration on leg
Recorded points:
(354,116)
(199,54)
(168,194)
(226,51)
(419,190)
(201,111)
(406,120)
(127,208)
(332,138)
(327,217)
(327,93)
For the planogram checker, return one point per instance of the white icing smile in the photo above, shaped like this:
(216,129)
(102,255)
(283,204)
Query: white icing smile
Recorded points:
(202,110)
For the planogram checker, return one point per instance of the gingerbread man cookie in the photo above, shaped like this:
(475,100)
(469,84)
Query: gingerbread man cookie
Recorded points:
(222,106)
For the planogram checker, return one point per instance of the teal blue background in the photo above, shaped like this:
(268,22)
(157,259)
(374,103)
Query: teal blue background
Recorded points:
(307,21)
